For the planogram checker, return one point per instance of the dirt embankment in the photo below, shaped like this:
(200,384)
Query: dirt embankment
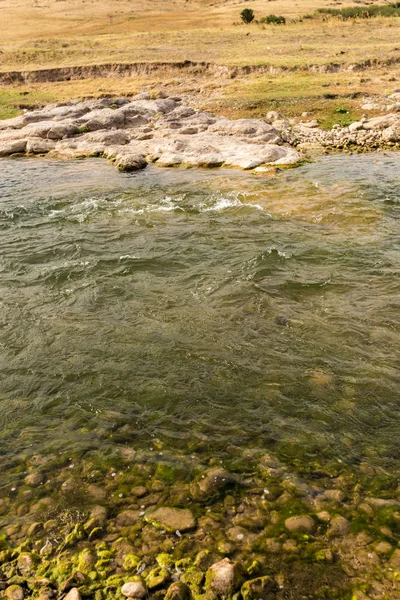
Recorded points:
(114,70)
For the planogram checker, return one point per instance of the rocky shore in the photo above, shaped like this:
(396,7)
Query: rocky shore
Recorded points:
(165,131)
(133,133)
(159,524)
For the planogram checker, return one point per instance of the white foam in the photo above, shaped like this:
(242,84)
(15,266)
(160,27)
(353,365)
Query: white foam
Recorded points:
(226,203)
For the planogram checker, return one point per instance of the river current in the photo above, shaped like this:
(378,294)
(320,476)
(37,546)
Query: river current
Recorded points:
(211,310)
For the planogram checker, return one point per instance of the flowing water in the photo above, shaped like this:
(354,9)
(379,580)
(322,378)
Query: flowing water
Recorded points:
(207,309)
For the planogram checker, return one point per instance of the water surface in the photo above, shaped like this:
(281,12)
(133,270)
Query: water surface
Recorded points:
(213,310)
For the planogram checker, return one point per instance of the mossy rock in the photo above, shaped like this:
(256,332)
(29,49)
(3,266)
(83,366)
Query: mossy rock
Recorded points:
(177,591)
(193,578)
(165,560)
(77,534)
(157,578)
(258,588)
(131,562)
(253,568)
(86,561)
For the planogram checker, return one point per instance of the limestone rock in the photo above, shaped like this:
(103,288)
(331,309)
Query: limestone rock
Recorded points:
(225,577)
(73,594)
(133,132)
(334,495)
(99,513)
(25,564)
(96,492)
(395,559)
(130,162)
(39,146)
(383,548)
(382,502)
(12,147)
(300,524)
(172,519)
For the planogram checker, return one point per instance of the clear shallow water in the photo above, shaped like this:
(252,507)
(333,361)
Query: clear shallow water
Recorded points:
(210,309)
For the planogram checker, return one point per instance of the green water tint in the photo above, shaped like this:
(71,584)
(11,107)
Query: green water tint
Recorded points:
(208,312)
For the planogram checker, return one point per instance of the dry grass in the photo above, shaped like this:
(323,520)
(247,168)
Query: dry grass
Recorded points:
(44,33)
(294,45)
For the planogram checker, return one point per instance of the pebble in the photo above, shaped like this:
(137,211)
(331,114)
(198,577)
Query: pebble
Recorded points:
(15,592)
(134,589)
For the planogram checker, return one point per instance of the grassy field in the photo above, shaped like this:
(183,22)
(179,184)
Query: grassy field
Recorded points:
(38,34)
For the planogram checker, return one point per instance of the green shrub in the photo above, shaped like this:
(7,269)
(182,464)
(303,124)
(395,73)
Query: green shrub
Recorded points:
(274,20)
(247,15)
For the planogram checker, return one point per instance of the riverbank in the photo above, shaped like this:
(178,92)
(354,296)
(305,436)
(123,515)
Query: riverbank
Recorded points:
(165,131)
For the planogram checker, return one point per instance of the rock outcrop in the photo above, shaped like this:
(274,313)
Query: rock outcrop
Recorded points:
(135,132)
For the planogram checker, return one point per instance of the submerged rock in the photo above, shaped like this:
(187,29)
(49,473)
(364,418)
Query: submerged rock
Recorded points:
(300,524)
(339,526)
(211,483)
(172,519)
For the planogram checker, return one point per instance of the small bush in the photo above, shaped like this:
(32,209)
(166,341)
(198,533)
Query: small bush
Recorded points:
(274,20)
(247,15)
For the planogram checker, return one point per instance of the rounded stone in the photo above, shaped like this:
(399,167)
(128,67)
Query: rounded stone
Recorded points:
(15,592)
(134,589)
(225,577)
(300,524)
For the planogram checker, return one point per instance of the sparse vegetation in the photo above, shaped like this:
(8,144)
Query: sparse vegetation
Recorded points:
(363,12)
